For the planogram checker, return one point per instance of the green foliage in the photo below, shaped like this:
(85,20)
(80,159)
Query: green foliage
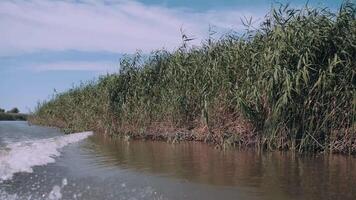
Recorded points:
(12,117)
(14,110)
(2,110)
(293,79)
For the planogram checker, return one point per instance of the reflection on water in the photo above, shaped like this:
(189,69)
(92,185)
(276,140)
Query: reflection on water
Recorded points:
(276,174)
(103,168)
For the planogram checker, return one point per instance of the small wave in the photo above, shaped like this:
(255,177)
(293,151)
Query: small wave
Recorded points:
(22,156)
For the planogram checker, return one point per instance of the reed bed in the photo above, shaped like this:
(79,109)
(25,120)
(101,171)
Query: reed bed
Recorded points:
(288,85)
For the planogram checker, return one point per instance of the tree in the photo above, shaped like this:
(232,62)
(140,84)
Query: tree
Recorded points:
(13,110)
(2,110)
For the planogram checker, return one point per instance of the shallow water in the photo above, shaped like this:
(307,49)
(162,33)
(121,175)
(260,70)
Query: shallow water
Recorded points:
(45,164)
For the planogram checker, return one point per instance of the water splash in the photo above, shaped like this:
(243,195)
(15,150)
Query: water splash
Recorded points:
(55,194)
(22,156)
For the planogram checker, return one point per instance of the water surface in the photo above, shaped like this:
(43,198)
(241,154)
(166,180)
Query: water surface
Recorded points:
(97,167)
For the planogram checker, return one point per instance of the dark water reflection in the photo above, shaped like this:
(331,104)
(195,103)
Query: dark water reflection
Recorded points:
(276,175)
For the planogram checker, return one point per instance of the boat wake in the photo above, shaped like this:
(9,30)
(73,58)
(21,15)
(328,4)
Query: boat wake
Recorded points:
(22,156)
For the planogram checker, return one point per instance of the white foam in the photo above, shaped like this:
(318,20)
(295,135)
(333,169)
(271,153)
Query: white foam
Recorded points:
(22,156)
(55,194)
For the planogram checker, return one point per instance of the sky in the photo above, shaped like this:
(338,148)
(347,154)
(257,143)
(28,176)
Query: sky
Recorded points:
(48,45)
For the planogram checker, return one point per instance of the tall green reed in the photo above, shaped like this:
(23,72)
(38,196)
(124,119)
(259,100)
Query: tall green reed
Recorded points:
(292,79)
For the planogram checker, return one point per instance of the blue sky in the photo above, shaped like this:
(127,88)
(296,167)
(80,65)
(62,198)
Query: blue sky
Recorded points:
(53,44)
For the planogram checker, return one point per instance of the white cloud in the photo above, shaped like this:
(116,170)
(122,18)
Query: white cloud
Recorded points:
(117,26)
(103,67)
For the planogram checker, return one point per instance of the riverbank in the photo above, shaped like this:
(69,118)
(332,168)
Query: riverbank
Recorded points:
(13,117)
(288,85)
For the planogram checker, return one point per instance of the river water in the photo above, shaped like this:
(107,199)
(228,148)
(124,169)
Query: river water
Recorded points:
(42,163)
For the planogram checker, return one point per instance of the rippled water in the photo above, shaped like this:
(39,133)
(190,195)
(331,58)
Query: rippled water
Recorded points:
(96,167)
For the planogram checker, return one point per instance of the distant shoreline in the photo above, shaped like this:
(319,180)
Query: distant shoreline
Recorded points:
(13,117)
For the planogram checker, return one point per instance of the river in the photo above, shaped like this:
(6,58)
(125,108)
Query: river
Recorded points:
(42,163)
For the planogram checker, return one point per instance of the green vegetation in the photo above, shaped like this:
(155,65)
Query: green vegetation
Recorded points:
(12,115)
(288,85)
(14,110)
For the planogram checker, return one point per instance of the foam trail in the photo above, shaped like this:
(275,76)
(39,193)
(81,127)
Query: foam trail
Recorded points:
(22,156)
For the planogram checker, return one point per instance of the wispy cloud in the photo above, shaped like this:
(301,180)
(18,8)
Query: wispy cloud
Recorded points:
(115,26)
(62,60)
(102,67)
